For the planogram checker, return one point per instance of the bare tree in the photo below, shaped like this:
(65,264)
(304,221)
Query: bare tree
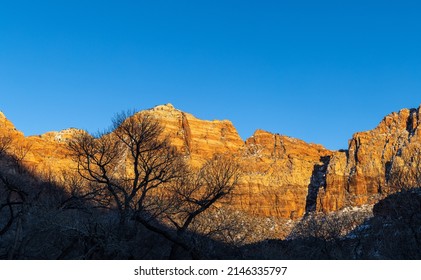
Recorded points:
(13,199)
(146,178)
(81,194)
(130,163)
(5,144)
(200,190)
(19,151)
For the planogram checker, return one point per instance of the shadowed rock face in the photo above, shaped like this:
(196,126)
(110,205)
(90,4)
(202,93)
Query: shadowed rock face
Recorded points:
(283,177)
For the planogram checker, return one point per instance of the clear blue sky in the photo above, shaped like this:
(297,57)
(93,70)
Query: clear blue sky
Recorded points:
(315,70)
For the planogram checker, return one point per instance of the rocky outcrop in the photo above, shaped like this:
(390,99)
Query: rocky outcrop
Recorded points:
(287,177)
(63,136)
(46,155)
(360,175)
(278,174)
(283,177)
(7,128)
(277,169)
(198,139)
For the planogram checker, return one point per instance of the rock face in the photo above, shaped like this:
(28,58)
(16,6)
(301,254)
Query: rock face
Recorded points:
(198,139)
(277,169)
(283,177)
(46,155)
(279,172)
(7,127)
(360,175)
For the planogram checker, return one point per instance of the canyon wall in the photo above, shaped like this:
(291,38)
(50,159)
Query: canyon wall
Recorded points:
(360,175)
(283,177)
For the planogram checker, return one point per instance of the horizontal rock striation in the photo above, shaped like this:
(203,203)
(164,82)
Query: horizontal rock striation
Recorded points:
(282,177)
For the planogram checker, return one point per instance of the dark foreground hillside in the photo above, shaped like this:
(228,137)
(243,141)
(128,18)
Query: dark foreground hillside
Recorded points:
(393,233)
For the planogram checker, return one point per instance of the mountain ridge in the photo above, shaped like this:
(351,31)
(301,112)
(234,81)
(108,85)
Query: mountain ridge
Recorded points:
(283,176)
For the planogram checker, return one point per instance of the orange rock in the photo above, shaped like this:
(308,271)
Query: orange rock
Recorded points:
(283,176)
(361,177)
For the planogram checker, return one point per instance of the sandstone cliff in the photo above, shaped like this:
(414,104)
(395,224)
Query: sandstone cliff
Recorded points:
(283,177)
(359,176)
(197,139)
(278,174)
(277,169)
(46,155)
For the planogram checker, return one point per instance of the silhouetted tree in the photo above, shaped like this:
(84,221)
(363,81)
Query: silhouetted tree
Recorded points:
(5,144)
(146,178)
(11,202)
(197,191)
(130,163)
